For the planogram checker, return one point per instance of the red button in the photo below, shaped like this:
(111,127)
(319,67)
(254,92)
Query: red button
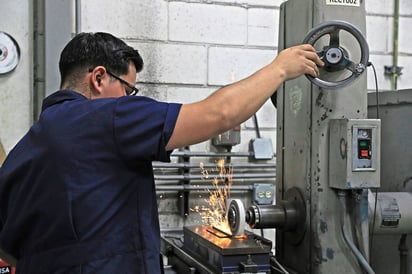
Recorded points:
(364,153)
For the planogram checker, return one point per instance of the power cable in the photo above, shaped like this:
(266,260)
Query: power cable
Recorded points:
(376,189)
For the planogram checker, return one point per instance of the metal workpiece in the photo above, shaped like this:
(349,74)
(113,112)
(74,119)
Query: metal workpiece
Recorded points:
(226,254)
(225,244)
(172,246)
(206,250)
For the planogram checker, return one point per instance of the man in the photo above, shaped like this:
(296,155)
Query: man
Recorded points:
(77,193)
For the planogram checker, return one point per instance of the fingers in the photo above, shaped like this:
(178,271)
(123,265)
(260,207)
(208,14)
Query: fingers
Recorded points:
(314,70)
(307,47)
(313,60)
(311,69)
(312,54)
(317,73)
(298,60)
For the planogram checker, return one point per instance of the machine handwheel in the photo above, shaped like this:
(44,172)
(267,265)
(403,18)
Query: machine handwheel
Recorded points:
(334,55)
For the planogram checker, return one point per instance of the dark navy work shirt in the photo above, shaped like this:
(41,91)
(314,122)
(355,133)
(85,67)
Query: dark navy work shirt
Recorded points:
(77,193)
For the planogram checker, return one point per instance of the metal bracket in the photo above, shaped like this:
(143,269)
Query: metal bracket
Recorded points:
(392,70)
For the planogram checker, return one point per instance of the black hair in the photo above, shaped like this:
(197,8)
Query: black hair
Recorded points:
(88,50)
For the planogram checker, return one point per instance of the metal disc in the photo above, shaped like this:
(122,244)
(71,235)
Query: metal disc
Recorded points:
(9,53)
(236,217)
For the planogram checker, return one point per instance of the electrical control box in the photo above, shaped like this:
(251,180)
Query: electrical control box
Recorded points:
(261,148)
(263,194)
(227,139)
(354,153)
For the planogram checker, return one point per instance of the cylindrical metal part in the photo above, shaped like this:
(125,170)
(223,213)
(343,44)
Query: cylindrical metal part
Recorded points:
(393,214)
(266,216)
(287,215)
(293,215)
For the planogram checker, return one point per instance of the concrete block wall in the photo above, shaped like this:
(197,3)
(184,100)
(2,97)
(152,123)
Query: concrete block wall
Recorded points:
(15,87)
(379,28)
(193,47)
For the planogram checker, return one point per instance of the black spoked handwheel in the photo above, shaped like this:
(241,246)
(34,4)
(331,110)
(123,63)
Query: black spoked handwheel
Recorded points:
(336,57)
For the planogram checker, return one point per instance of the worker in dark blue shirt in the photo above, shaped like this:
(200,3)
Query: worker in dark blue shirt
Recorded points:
(77,193)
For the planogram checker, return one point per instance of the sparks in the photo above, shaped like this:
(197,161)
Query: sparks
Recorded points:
(214,214)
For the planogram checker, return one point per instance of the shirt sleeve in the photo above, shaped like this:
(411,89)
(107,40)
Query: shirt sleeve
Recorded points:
(143,126)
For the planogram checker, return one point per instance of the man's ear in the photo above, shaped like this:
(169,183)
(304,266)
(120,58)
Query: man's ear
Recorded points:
(96,79)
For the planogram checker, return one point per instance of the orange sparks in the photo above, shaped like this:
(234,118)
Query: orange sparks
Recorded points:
(214,213)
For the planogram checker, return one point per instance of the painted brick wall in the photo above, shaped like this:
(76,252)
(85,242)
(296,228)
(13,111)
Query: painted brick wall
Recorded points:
(379,33)
(15,97)
(193,47)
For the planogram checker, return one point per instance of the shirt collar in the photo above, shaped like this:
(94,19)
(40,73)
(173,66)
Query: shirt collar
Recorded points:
(60,97)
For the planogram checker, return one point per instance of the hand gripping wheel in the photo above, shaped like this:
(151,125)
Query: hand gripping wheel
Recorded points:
(335,56)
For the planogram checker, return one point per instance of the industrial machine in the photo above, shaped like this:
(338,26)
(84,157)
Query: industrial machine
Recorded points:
(337,197)
(329,204)
(328,153)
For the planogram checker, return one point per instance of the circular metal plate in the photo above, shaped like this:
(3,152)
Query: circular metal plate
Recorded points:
(295,196)
(9,53)
(236,217)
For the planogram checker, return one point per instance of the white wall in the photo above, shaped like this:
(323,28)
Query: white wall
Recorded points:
(191,48)
(380,38)
(15,87)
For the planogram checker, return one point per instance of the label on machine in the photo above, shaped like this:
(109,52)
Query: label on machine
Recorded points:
(389,211)
(351,3)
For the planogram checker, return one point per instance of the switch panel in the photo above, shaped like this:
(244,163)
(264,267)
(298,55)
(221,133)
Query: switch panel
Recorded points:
(354,153)
(263,194)
(364,147)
